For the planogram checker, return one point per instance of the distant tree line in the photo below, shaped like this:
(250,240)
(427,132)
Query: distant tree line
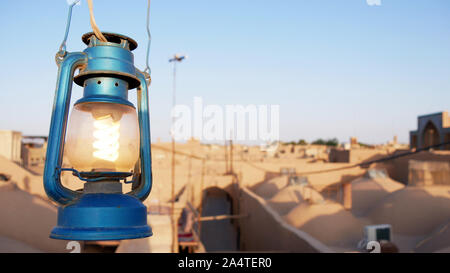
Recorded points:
(365,145)
(300,142)
(328,142)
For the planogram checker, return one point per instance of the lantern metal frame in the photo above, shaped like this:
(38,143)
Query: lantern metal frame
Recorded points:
(100,211)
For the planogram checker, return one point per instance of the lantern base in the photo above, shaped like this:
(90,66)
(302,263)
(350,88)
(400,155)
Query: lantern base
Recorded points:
(102,217)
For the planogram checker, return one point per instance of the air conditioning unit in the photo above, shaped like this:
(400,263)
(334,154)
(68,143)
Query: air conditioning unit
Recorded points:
(378,233)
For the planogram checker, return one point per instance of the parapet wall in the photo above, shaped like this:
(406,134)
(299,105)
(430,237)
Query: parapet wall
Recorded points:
(398,169)
(265,230)
(355,155)
(427,173)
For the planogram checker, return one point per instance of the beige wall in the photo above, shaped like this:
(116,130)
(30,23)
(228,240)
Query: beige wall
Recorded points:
(10,145)
(33,155)
(265,230)
(28,219)
(360,155)
(445,120)
(427,173)
(398,169)
(338,155)
(355,155)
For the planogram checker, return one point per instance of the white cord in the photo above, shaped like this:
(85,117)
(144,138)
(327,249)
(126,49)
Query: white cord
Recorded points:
(96,30)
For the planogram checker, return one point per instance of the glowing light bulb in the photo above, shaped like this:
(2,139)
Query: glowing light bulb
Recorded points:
(102,137)
(107,134)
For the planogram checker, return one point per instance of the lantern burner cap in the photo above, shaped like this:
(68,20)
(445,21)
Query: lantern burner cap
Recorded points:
(103,187)
(101,176)
(112,38)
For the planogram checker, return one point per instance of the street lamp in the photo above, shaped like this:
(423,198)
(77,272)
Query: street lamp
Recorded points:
(106,143)
(176,59)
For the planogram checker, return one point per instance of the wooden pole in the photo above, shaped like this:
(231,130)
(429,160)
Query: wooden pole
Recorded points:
(201,197)
(347,195)
(189,182)
(231,157)
(226,157)
(172,209)
(222,217)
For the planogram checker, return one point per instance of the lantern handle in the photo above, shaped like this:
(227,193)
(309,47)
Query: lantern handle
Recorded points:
(62,48)
(144,186)
(55,145)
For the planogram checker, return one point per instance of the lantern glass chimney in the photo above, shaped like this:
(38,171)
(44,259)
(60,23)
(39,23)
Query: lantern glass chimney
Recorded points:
(102,137)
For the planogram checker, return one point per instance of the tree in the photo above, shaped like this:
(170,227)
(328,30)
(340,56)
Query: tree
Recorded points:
(330,142)
(319,142)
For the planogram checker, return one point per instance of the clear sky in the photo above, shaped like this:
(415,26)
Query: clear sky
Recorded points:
(337,68)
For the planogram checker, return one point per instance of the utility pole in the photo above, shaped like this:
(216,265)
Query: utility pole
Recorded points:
(176,59)
(231,171)
(231,157)
(226,157)
(201,198)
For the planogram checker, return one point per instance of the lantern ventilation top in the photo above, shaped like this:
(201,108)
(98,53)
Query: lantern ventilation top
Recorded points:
(113,39)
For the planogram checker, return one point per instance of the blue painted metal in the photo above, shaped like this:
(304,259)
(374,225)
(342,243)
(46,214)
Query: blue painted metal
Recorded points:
(143,189)
(58,125)
(105,89)
(102,216)
(109,59)
(98,176)
(62,49)
(107,73)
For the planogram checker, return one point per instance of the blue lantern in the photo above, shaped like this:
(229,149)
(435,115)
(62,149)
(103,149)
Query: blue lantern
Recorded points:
(107,143)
